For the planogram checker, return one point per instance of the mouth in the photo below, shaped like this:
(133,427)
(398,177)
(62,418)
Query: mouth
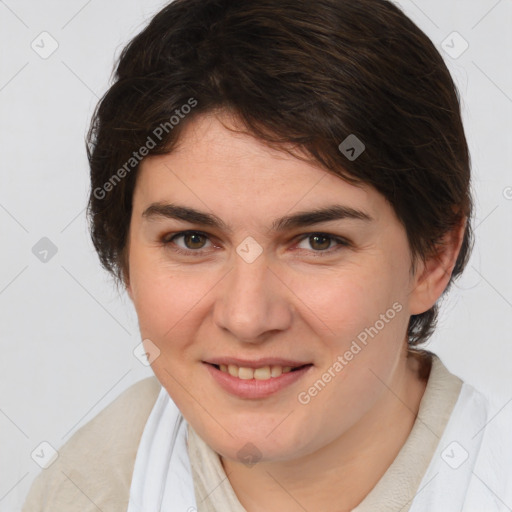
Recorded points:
(265,372)
(254,380)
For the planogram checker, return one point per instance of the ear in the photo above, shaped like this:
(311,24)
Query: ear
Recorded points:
(432,276)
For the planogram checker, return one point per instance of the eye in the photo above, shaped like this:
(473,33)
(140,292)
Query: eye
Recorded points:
(321,242)
(194,242)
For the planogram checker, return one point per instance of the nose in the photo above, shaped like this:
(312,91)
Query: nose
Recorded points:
(253,303)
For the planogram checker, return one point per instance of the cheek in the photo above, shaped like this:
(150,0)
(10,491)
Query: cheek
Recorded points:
(152,298)
(363,306)
(165,309)
(162,296)
(364,318)
(346,301)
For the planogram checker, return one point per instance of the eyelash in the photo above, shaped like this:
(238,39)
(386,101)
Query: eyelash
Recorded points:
(168,240)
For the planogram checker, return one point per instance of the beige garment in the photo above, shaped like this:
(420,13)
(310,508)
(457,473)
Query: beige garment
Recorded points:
(393,492)
(94,468)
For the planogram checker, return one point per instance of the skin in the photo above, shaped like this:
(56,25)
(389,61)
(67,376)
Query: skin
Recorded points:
(327,454)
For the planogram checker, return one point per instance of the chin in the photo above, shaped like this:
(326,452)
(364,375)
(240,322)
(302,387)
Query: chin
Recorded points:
(253,446)
(252,452)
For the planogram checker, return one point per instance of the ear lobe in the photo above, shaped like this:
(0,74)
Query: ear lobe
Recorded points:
(432,276)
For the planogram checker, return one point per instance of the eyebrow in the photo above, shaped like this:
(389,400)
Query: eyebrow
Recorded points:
(288,222)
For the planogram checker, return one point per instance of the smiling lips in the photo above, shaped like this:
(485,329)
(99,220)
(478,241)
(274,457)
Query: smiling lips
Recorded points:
(255,379)
(263,373)
(262,369)
(256,382)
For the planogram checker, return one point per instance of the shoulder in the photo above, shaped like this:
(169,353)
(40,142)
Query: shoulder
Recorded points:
(95,466)
(470,469)
(476,450)
(484,421)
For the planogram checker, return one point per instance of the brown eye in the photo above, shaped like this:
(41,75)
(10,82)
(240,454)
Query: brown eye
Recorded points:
(193,240)
(320,242)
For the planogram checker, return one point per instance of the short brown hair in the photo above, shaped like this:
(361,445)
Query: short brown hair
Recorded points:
(302,72)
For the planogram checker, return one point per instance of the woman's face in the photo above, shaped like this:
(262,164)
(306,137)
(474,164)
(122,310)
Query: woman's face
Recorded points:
(248,287)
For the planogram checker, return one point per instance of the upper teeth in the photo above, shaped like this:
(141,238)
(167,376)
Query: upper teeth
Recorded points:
(263,373)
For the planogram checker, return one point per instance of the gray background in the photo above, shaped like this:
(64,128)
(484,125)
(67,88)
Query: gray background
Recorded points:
(67,338)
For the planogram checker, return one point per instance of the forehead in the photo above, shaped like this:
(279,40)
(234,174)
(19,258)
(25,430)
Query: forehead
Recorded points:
(214,166)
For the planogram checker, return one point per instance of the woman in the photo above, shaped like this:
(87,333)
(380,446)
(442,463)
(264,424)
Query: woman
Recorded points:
(283,189)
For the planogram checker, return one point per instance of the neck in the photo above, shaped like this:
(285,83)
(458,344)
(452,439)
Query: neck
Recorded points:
(340,475)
